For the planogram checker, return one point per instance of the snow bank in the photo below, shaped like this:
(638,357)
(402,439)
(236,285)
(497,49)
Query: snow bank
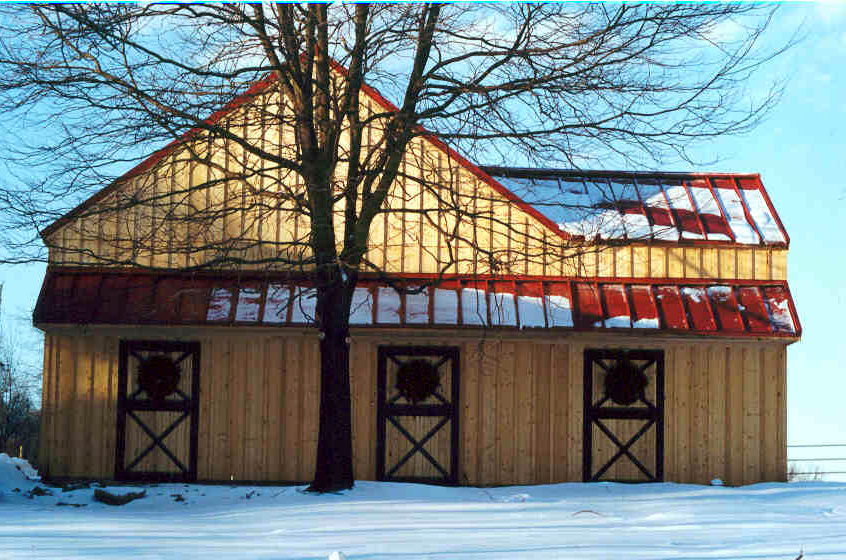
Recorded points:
(16,473)
(383,521)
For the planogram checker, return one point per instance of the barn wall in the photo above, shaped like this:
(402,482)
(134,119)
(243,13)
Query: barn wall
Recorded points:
(520,410)
(228,215)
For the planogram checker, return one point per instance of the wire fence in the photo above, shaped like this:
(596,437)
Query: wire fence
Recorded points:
(797,464)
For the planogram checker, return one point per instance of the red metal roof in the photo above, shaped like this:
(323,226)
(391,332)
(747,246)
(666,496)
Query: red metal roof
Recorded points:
(694,207)
(678,306)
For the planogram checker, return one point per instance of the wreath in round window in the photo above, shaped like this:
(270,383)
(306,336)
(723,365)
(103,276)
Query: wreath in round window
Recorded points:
(417,380)
(625,383)
(158,376)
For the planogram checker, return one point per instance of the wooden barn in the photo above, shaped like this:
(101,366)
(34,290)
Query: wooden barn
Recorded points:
(601,326)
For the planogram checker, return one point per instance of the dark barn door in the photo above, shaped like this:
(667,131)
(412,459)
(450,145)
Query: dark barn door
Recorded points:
(624,415)
(417,424)
(158,404)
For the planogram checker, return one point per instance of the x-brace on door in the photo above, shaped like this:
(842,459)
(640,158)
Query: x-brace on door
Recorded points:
(623,415)
(157,410)
(417,425)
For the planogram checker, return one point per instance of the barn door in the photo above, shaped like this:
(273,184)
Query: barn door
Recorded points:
(624,415)
(417,425)
(158,404)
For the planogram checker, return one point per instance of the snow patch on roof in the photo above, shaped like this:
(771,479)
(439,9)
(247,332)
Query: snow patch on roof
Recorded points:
(559,311)
(276,305)
(417,308)
(304,306)
(618,322)
(733,206)
(696,295)
(503,310)
(388,310)
(361,308)
(220,304)
(446,307)
(764,219)
(531,311)
(249,305)
(474,307)
(643,207)
(780,315)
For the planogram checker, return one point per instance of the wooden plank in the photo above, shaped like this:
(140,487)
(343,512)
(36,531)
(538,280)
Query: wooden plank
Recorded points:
(569,262)
(778,265)
(623,261)
(275,367)
(781,399)
(311,386)
(734,407)
(568,373)
(253,371)
(762,264)
(489,412)
(237,407)
(112,348)
(675,262)
(769,420)
(717,386)
(505,414)
(76,434)
(640,261)
(542,364)
(293,407)
(693,262)
(589,261)
(671,413)
(728,263)
(469,402)
(102,422)
(205,437)
(524,379)
(700,433)
(710,262)
(745,263)
(221,410)
(86,430)
(658,262)
(605,261)
(371,395)
(751,414)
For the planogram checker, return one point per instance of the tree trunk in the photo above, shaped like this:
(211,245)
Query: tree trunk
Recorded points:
(333,469)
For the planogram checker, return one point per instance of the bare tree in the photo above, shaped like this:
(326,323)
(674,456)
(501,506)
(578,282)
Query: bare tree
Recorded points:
(88,89)
(18,387)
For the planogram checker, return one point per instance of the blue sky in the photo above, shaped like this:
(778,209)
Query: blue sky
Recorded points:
(800,152)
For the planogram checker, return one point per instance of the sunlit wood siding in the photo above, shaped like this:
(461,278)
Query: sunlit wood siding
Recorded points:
(521,401)
(229,213)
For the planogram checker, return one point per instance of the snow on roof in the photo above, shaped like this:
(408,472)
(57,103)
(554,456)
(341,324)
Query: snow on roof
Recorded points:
(649,206)
(721,308)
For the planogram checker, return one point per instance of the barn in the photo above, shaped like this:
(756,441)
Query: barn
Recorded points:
(602,325)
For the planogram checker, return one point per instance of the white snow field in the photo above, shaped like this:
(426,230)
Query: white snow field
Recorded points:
(408,521)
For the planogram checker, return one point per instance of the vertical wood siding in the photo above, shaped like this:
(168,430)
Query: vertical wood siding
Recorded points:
(192,213)
(520,408)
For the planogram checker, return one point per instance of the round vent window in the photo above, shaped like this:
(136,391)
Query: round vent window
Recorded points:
(625,384)
(158,376)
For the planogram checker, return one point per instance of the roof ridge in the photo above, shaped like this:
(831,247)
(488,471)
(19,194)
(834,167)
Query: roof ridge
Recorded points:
(505,170)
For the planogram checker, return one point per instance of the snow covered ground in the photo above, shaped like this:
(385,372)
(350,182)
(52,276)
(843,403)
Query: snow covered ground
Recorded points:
(405,521)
